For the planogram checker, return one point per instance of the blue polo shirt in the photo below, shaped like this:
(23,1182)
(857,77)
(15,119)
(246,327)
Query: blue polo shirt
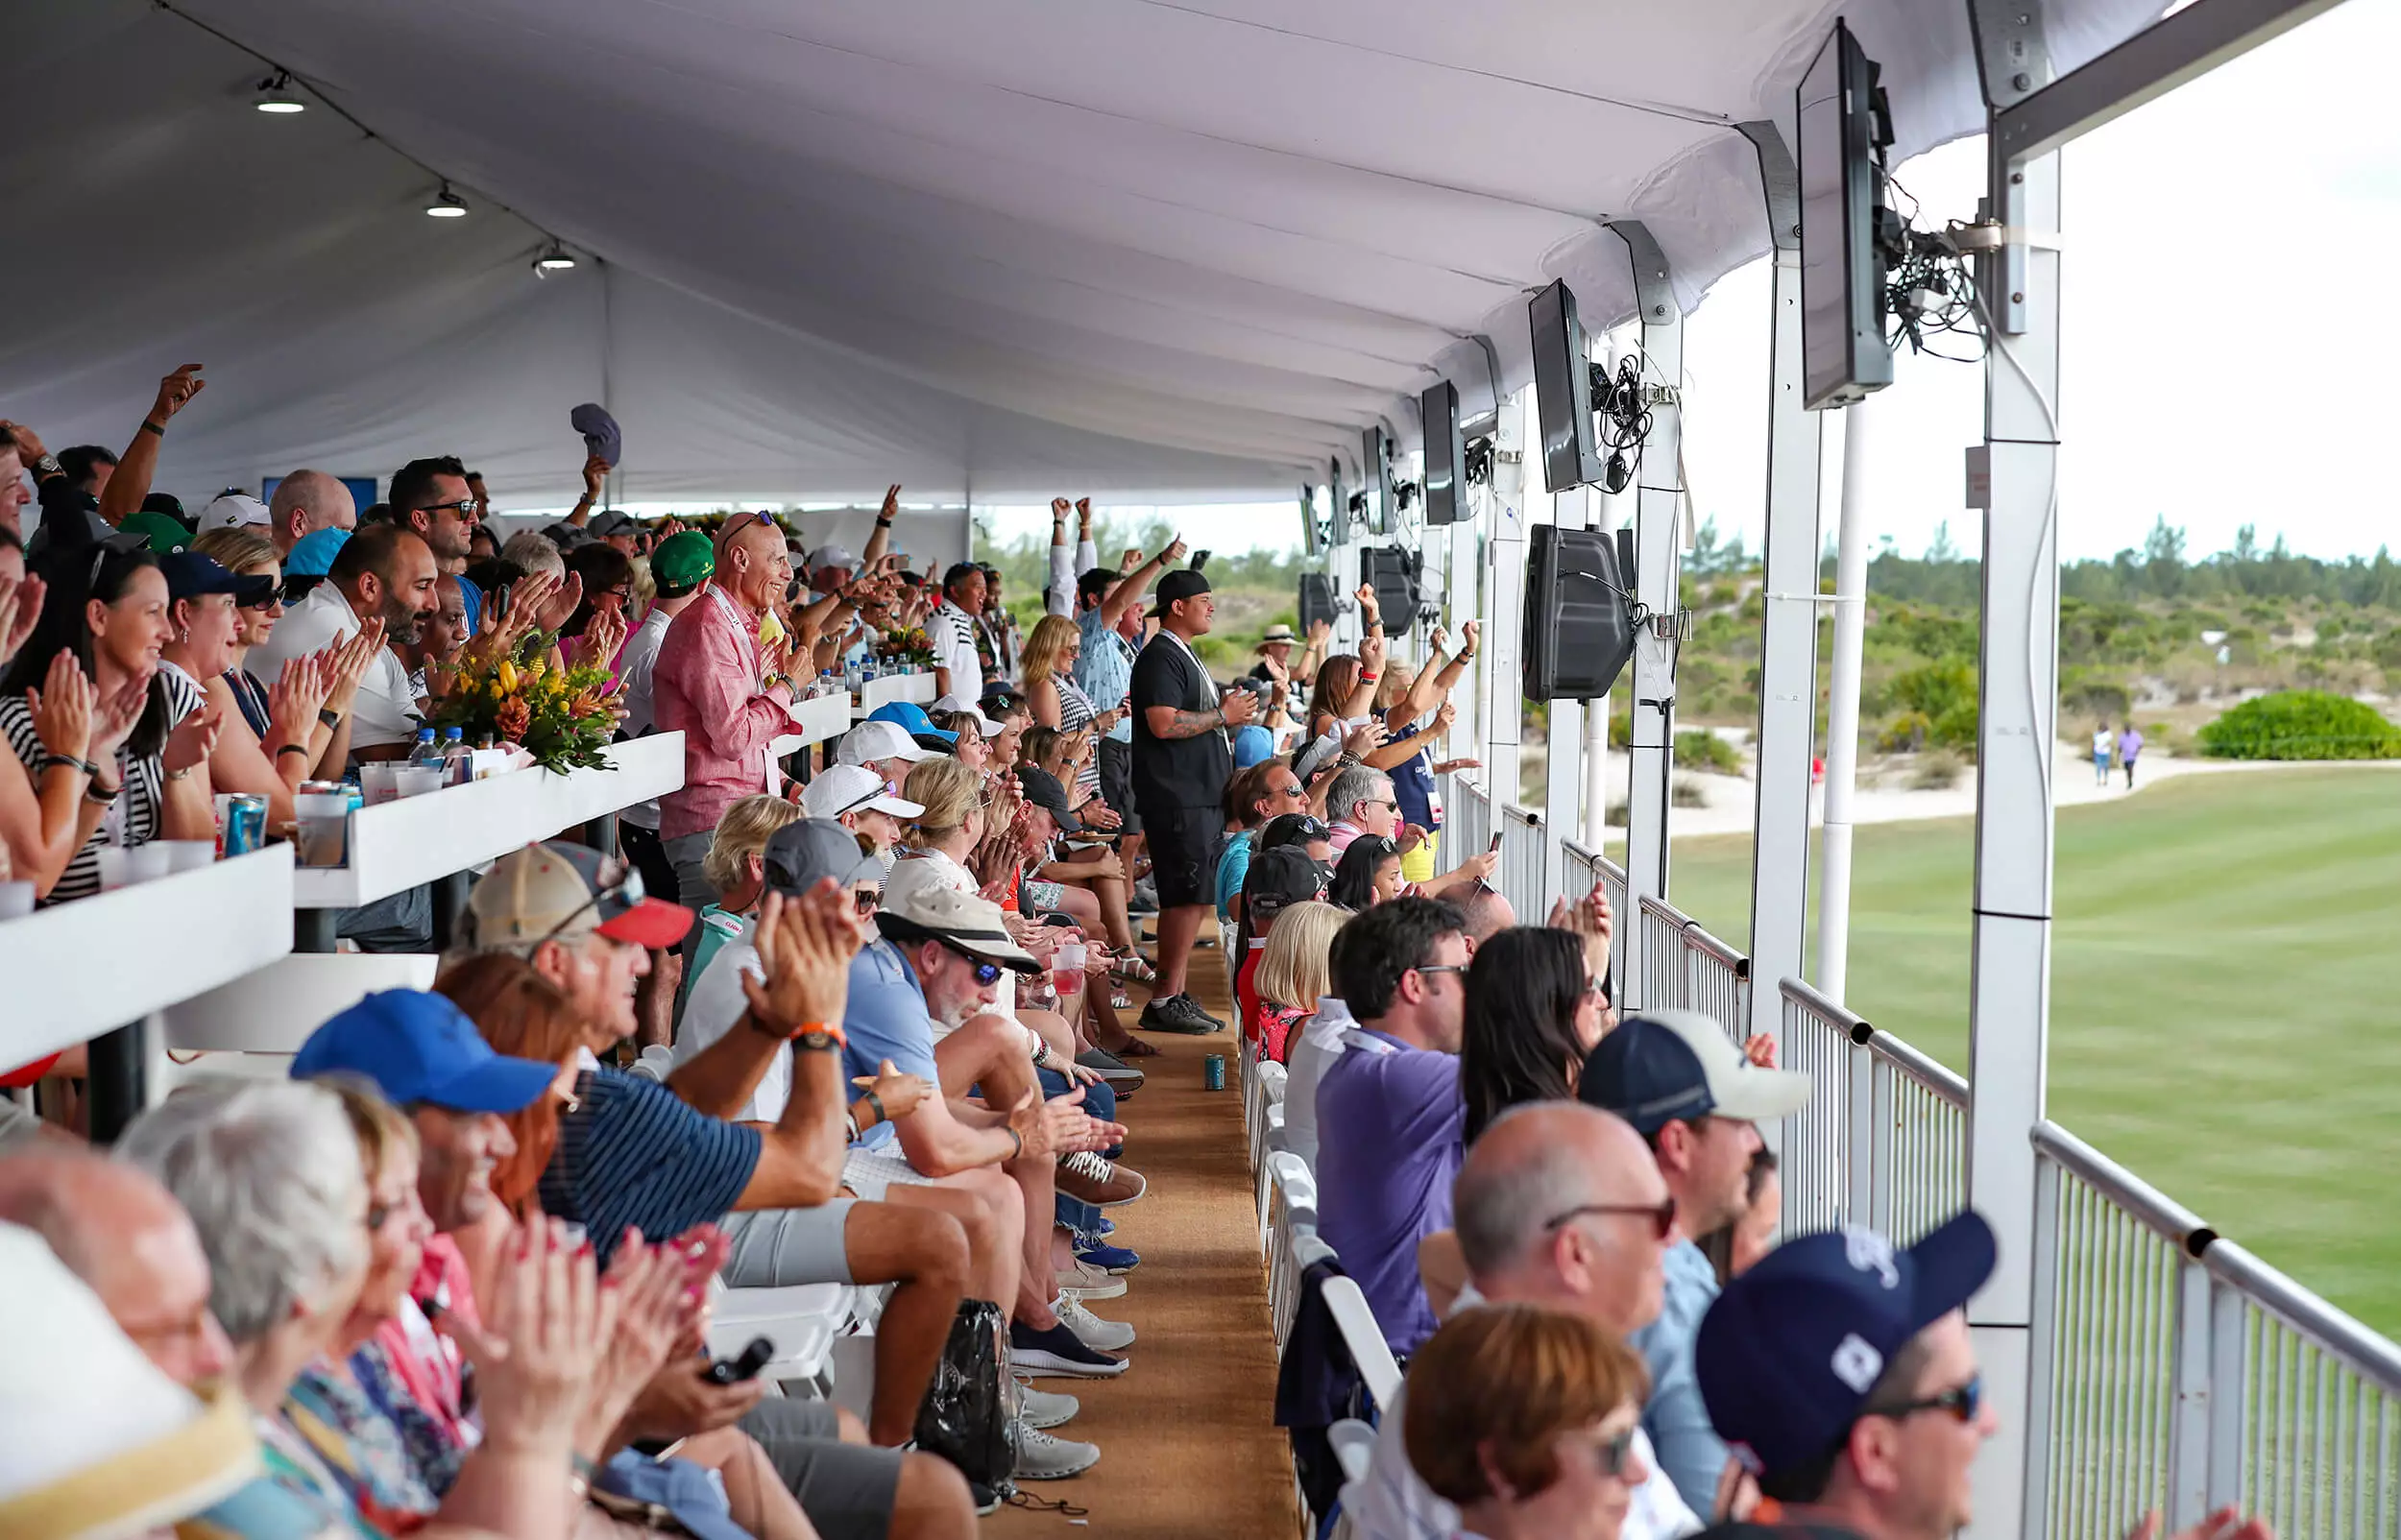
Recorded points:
(1690,1451)
(887,1018)
(1390,1137)
(1105,669)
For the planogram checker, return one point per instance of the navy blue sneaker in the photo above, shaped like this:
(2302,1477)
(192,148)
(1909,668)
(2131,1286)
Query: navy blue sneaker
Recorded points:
(1106,1257)
(1059,1350)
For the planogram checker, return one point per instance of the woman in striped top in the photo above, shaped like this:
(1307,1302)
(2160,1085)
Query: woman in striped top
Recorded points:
(107,609)
(1053,695)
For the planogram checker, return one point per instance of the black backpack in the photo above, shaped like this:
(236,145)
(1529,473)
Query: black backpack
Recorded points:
(972,1401)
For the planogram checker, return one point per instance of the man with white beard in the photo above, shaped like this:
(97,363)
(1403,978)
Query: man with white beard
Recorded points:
(920,1001)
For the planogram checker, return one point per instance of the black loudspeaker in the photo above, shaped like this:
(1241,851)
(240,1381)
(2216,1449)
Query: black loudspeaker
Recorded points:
(1445,455)
(1394,574)
(1579,629)
(1317,600)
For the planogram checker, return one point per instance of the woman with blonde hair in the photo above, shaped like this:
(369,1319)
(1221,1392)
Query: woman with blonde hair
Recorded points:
(733,869)
(1525,1418)
(1056,700)
(1292,976)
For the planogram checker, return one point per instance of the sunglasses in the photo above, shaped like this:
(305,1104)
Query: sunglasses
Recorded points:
(1612,1455)
(1440,967)
(618,881)
(867,900)
(985,972)
(1662,1214)
(463,507)
(1964,1402)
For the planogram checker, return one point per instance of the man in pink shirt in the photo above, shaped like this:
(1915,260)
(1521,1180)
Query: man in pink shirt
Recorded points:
(726,692)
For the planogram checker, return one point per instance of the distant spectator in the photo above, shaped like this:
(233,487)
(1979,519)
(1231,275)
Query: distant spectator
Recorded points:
(1292,975)
(1252,796)
(1367,874)
(88,465)
(304,502)
(953,630)
(1389,1111)
(2129,745)
(382,574)
(1532,1014)
(1525,1419)
(1108,612)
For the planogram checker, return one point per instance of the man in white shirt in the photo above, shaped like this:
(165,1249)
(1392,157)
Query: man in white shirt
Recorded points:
(1560,1204)
(382,573)
(953,632)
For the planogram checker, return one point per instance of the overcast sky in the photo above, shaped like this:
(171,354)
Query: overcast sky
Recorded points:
(2229,338)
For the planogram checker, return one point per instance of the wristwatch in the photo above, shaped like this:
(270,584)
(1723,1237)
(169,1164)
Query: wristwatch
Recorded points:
(47,467)
(819,1038)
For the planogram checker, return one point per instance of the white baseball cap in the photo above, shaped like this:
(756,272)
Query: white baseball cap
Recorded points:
(232,511)
(849,789)
(960,703)
(830,555)
(970,921)
(870,741)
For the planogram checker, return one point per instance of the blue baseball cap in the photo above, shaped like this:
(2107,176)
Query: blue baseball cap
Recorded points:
(312,554)
(911,718)
(190,575)
(418,1046)
(1786,1356)
(1668,1066)
(1253,743)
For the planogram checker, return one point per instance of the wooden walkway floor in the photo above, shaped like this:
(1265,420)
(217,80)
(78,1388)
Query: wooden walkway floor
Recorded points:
(1187,1437)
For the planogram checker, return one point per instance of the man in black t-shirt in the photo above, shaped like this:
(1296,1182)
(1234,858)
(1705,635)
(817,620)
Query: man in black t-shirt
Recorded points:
(1182,761)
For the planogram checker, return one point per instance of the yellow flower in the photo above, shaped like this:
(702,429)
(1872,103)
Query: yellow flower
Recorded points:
(507,672)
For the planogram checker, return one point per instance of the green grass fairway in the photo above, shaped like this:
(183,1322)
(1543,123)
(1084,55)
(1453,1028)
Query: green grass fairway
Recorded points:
(2225,996)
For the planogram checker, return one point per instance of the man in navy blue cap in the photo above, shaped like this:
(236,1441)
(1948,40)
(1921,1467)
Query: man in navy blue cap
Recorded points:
(1840,1373)
(1696,1098)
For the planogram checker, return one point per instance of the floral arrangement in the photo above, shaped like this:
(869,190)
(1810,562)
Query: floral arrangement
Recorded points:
(564,718)
(905,646)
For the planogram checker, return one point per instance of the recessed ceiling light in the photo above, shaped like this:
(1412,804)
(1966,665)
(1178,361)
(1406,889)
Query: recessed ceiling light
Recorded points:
(554,258)
(447,205)
(277,96)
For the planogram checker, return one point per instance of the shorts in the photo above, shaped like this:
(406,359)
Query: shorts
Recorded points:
(649,855)
(1184,847)
(1117,783)
(847,1490)
(1038,896)
(781,1248)
(871,1172)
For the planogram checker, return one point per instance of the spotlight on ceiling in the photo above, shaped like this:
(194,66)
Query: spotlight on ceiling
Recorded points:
(554,258)
(447,205)
(276,95)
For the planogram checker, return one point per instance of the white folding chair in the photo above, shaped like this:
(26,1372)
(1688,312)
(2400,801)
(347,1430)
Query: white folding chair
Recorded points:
(1364,1339)
(1292,1214)
(654,1063)
(1272,1144)
(801,1322)
(1267,1090)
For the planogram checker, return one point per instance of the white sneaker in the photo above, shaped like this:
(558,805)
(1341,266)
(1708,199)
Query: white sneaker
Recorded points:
(1046,1457)
(1094,1332)
(1084,1280)
(1045,1408)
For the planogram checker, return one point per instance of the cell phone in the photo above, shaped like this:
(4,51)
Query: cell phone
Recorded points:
(1494,848)
(1200,559)
(734,1371)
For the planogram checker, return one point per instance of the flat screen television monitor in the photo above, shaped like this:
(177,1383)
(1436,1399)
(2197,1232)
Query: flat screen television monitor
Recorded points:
(1563,391)
(1335,500)
(1376,457)
(1843,351)
(1445,453)
(1308,518)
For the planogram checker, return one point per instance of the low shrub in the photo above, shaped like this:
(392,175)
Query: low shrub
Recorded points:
(1686,793)
(1938,771)
(1697,749)
(2301,724)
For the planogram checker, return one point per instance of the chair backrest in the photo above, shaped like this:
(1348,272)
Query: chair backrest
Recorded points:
(1271,1078)
(1354,1445)
(1308,1250)
(1364,1339)
(1299,1190)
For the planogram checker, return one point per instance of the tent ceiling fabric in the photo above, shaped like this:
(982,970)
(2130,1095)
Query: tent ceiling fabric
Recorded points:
(1188,247)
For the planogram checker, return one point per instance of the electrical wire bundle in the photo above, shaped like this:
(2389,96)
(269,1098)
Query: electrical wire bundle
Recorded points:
(1623,417)
(1929,291)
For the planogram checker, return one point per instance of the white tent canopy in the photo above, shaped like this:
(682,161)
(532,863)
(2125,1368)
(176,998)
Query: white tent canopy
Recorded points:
(992,249)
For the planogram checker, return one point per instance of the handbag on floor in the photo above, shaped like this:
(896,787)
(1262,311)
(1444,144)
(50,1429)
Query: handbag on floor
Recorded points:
(968,1407)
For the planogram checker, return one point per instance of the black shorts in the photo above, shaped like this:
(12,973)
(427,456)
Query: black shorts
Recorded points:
(1184,846)
(1117,783)
(642,848)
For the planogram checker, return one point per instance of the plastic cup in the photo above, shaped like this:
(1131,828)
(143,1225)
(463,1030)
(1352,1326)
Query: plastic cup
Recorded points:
(325,822)
(418,780)
(16,900)
(146,863)
(1067,966)
(186,855)
(114,871)
(379,781)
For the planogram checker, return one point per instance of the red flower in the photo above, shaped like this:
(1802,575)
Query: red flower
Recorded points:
(514,718)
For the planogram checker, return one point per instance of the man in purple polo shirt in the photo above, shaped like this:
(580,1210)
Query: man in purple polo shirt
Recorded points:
(1389,1109)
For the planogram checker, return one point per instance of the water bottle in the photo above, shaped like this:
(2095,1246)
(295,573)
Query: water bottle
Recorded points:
(455,765)
(427,751)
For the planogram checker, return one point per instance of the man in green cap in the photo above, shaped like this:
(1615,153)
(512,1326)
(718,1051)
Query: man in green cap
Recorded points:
(678,567)
(166,537)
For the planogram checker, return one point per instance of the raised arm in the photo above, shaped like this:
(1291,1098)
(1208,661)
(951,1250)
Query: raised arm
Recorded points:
(130,483)
(882,540)
(1433,684)
(1127,591)
(1061,595)
(596,473)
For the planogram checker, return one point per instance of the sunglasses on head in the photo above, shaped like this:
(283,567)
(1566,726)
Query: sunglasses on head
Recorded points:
(619,880)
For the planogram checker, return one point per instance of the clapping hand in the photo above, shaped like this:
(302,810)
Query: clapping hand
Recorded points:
(546,1324)
(561,607)
(1589,918)
(62,708)
(347,663)
(118,713)
(603,634)
(899,1093)
(1239,707)
(20,610)
(193,740)
(805,948)
(293,701)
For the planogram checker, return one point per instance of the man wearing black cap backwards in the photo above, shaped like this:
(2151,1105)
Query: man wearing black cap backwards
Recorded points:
(1841,1373)
(1182,761)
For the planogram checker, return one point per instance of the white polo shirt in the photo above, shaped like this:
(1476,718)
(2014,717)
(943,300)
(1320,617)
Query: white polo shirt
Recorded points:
(385,711)
(953,633)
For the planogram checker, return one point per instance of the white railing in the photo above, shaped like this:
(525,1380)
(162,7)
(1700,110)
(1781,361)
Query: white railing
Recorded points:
(1578,870)
(1467,821)
(2174,1370)
(1883,1139)
(1521,858)
(1686,968)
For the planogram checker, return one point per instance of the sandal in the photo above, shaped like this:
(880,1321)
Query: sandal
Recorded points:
(1134,968)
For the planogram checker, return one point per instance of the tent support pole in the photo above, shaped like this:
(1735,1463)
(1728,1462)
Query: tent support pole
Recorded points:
(2017,725)
(1657,543)
(1504,610)
(1779,858)
(1842,709)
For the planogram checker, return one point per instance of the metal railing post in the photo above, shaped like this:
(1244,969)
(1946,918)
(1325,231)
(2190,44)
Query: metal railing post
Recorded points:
(2041,1386)
(1859,1123)
(2190,1435)
(2229,1387)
